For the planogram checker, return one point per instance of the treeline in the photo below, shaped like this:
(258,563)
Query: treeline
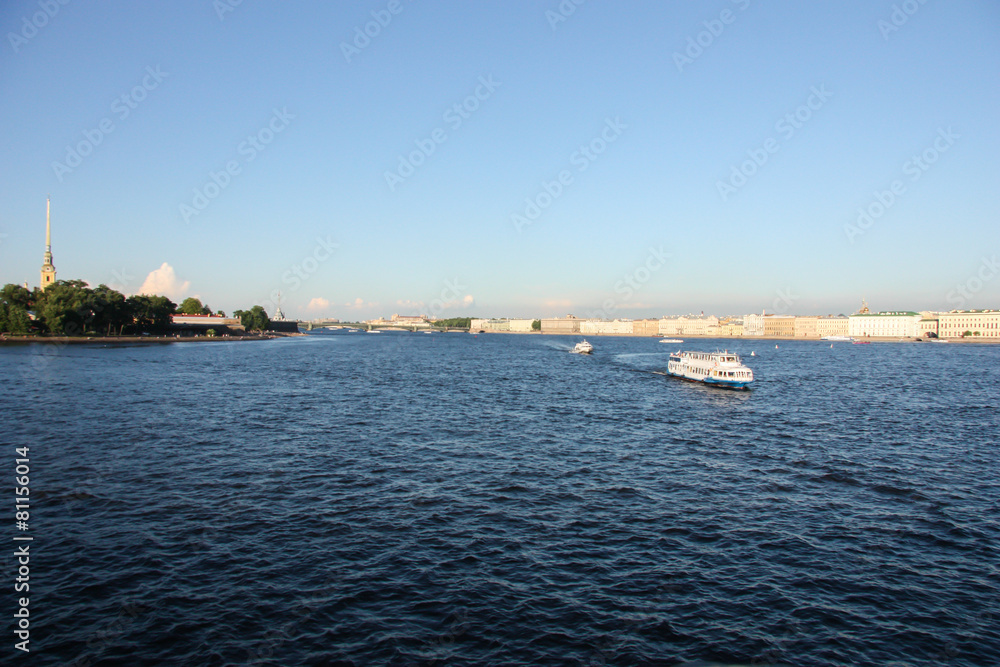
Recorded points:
(454,322)
(73,308)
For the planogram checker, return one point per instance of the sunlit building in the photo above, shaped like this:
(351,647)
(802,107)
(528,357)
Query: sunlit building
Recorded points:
(888,324)
(561,325)
(779,325)
(831,326)
(606,327)
(975,323)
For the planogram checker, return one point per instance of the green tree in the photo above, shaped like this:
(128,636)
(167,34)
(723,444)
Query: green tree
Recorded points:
(13,318)
(255,319)
(454,322)
(65,307)
(150,313)
(191,306)
(110,310)
(17,295)
(536,325)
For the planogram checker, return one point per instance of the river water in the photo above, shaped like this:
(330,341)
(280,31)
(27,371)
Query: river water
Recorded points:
(415,499)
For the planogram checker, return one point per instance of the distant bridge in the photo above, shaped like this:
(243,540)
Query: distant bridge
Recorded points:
(321,324)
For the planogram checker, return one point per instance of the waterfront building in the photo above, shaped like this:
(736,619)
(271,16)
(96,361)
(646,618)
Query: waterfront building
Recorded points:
(419,321)
(979,323)
(206,321)
(753,324)
(927,327)
(48,268)
(672,326)
(690,325)
(779,325)
(887,324)
(831,326)
(645,327)
(492,324)
(731,327)
(806,327)
(605,327)
(561,325)
(521,326)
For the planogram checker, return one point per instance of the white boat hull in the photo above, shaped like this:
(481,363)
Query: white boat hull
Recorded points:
(719,369)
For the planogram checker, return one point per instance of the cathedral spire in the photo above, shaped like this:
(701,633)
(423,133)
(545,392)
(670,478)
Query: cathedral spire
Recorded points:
(48,270)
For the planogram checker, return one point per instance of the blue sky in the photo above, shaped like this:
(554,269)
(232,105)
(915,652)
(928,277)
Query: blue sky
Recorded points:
(833,100)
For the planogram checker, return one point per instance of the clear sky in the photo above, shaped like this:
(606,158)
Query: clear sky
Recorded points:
(728,150)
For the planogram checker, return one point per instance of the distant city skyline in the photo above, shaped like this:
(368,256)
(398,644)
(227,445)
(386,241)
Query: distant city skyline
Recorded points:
(478,160)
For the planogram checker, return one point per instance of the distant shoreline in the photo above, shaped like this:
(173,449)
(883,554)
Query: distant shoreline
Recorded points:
(687,337)
(132,340)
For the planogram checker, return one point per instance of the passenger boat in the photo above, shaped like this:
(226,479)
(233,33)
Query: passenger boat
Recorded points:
(583,347)
(838,339)
(720,369)
(671,340)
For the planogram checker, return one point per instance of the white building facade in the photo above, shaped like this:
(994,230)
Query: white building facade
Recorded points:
(753,325)
(895,324)
(604,327)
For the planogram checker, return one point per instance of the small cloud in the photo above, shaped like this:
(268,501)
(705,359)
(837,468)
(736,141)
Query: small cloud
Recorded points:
(557,303)
(412,305)
(465,302)
(164,281)
(359,304)
(318,303)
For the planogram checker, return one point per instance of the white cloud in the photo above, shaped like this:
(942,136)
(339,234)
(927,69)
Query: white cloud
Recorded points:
(318,303)
(360,303)
(163,281)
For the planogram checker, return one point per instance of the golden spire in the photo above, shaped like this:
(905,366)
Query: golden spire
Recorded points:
(48,270)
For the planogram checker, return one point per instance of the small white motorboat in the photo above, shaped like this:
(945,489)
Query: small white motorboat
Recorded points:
(583,347)
(671,340)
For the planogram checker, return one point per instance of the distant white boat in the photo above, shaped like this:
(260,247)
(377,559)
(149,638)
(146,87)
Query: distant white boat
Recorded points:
(583,347)
(838,339)
(753,354)
(671,340)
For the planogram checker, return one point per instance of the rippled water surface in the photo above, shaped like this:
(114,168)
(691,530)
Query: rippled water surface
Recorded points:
(453,499)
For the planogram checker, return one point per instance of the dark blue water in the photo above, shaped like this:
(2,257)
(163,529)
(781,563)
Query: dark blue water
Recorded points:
(415,499)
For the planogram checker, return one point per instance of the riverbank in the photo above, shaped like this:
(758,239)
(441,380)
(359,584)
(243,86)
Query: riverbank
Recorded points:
(134,340)
(692,337)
